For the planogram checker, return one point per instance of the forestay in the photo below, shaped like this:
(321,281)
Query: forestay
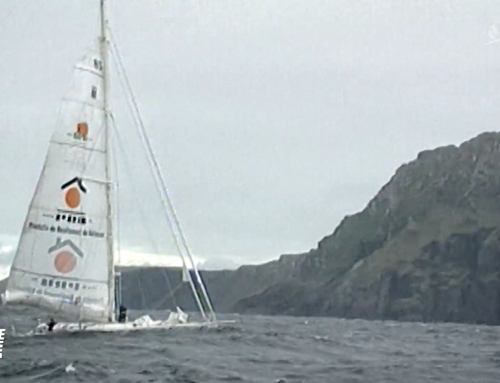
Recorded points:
(62,258)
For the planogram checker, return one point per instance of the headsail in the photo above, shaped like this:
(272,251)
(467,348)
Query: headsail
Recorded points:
(62,261)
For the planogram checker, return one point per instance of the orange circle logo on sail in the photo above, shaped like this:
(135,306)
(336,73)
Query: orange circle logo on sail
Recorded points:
(82,130)
(65,262)
(72,198)
(73,190)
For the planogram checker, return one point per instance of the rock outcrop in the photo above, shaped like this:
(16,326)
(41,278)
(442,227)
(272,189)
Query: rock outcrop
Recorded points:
(426,248)
(160,288)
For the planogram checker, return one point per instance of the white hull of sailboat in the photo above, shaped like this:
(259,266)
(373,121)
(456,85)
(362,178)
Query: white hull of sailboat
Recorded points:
(141,324)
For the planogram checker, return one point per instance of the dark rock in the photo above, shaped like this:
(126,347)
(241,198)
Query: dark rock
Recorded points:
(3,285)
(425,248)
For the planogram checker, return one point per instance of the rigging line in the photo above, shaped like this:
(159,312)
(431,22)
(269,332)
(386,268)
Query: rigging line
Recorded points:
(161,180)
(163,184)
(158,178)
(164,299)
(134,192)
(137,201)
(145,222)
(118,296)
(155,176)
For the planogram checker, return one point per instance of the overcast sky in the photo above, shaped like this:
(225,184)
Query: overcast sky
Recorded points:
(271,119)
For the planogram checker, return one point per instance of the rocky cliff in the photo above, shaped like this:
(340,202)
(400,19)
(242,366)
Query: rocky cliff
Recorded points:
(425,248)
(159,288)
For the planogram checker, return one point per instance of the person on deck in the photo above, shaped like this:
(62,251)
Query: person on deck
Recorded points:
(51,324)
(122,314)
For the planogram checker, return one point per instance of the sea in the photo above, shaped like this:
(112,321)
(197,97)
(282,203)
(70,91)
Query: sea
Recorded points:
(263,349)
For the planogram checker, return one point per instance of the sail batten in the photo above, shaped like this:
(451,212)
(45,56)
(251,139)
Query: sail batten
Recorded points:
(70,100)
(84,69)
(60,278)
(77,146)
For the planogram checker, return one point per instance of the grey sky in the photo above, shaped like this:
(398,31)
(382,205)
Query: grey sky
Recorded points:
(271,119)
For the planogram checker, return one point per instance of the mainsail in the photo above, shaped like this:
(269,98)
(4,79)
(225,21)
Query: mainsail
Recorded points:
(62,261)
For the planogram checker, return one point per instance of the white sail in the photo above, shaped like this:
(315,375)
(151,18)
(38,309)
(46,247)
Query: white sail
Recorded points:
(62,257)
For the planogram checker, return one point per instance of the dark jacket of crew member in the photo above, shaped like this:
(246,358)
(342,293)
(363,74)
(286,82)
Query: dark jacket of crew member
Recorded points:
(51,324)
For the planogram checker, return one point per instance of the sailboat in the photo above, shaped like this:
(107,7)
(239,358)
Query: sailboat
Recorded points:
(66,257)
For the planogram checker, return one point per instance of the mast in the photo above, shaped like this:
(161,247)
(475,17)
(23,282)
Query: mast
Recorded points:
(109,225)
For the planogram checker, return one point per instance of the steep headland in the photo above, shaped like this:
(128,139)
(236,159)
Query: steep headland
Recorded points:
(426,247)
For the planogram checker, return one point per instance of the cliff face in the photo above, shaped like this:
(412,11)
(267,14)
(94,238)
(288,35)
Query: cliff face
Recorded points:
(160,288)
(425,248)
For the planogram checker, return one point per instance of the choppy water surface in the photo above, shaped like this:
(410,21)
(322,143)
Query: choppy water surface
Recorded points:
(257,349)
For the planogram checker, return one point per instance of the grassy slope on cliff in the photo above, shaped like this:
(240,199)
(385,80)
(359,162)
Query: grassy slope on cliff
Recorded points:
(423,248)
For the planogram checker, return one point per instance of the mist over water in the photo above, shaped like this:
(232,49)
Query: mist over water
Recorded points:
(256,349)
